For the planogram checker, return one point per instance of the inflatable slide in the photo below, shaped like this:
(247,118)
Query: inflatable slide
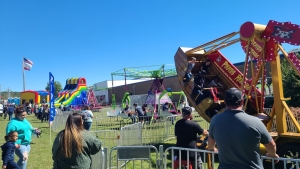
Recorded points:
(74,93)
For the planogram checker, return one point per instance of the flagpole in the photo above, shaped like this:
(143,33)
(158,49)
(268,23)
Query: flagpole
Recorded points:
(23,73)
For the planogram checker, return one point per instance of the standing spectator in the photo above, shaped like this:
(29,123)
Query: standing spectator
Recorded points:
(24,130)
(45,114)
(73,146)
(40,113)
(11,110)
(8,151)
(5,110)
(186,132)
(88,115)
(28,108)
(61,107)
(238,135)
(36,108)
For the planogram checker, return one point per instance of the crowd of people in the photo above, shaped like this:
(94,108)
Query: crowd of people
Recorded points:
(72,141)
(234,134)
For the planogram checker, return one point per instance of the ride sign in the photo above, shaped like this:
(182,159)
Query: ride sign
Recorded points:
(233,75)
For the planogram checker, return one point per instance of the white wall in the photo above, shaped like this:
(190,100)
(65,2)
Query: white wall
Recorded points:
(122,82)
(108,84)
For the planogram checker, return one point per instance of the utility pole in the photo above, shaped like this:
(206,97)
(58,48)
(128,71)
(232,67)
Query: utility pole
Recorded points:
(8,93)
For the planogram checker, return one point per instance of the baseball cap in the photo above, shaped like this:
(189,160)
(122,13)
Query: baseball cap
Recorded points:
(233,95)
(186,111)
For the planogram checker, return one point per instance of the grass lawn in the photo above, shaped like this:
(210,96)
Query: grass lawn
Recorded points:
(40,156)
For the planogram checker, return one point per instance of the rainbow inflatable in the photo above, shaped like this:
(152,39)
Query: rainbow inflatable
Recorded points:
(74,93)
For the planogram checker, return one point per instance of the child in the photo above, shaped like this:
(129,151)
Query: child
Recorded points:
(8,150)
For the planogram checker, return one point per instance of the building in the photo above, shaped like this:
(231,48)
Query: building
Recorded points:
(102,89)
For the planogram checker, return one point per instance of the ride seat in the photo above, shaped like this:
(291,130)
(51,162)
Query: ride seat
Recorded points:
(183,162)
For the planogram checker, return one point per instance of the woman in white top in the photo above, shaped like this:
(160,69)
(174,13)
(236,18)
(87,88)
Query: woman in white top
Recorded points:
(88,115)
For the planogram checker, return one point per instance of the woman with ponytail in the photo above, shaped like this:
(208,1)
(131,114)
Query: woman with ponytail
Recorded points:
(73,146)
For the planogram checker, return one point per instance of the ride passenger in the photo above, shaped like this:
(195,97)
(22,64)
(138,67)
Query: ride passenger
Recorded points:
(129,113)
(205,67)
(188,73)
(139,111)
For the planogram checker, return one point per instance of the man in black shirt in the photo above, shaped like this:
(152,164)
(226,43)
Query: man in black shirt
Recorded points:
(186,132)
(205,67)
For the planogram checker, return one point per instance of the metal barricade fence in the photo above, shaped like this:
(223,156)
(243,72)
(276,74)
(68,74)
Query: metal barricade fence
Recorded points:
(99,160)
(209,158)
(282,163)
(135,157)
(171,160)
(59,121)
(131,135)
(162,129)
(110,123)
(109,139)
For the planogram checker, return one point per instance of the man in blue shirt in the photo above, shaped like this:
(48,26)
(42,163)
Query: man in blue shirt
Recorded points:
(11,110)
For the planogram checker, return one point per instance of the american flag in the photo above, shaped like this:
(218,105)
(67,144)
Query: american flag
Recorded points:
(27,64)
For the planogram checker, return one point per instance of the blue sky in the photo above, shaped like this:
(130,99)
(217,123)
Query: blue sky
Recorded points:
(92,39)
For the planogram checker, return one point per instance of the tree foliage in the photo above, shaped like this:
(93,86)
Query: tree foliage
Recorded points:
(57,88)
(291,84)
(4,95)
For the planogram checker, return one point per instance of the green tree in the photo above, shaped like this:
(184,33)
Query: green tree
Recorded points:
(57,87)
(291,84)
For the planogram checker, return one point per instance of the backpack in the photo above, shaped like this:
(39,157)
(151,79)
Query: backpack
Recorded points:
(85,115)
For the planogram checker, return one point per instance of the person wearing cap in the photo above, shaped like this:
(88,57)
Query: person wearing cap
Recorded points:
(238,135)
(188,72)
(186,132)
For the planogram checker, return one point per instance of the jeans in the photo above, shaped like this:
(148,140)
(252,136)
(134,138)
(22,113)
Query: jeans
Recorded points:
(12,165)
(133,118)
(10,116)
(187,77)
(20,153)
(87,125)
(199,163)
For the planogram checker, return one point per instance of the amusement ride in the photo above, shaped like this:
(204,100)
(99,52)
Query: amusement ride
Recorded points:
(262,45)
